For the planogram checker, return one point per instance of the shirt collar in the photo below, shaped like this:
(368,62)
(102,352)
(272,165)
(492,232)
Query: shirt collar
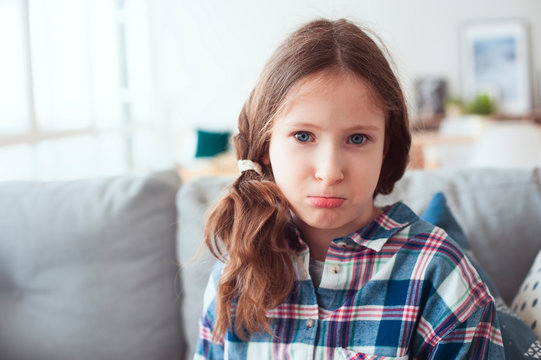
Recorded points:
(375,234)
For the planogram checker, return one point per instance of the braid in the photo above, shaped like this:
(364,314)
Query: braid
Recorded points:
(251,223)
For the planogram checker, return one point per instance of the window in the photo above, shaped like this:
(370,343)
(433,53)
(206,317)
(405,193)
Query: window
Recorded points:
(77,97)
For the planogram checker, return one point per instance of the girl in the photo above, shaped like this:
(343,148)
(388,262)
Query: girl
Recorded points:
(310,268)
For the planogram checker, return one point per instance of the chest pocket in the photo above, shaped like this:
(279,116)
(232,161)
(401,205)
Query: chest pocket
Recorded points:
(345,354)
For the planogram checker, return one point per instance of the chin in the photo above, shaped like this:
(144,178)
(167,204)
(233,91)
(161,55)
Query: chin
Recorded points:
(326,223)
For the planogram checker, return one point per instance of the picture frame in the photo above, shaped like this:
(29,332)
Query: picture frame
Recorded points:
(496,61)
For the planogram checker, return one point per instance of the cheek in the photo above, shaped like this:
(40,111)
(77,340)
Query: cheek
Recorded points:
(289,158)
(366,170)
(281,161)
(287,166)
(278,153)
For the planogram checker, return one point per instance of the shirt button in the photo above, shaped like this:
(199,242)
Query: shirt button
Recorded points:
(309,323)
(334,268)
(342,244)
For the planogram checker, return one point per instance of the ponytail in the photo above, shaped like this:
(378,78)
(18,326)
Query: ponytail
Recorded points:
(247,230)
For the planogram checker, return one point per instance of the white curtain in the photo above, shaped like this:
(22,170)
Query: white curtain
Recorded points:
(78,90)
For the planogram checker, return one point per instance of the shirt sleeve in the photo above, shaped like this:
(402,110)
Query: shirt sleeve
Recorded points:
(206,347)
(478,337)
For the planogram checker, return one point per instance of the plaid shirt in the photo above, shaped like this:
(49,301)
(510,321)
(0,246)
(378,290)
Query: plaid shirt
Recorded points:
(399,288)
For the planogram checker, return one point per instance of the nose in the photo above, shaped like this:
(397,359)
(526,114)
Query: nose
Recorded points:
(329,167)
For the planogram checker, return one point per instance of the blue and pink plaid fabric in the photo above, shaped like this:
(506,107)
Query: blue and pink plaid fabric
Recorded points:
(399,288)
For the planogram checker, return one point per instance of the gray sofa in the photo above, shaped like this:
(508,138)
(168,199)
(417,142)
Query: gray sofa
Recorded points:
(105,268)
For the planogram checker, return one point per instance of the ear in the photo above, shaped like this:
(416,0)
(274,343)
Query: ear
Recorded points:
(266,159)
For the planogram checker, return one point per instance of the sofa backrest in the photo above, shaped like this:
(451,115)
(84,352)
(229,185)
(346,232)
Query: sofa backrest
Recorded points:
(193,201)
(88,269)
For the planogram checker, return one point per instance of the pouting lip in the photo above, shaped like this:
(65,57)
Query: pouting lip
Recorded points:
(326,202)
(325,197)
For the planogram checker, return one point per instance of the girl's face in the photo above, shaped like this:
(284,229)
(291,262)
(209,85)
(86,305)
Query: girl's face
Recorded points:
(326,152)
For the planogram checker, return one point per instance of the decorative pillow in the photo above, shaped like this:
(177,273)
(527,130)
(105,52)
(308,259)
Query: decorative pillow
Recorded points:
(439,214)
(520,342)
(527,303)
(210,143)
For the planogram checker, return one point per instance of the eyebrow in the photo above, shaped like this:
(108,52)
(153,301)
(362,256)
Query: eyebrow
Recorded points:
(367,127)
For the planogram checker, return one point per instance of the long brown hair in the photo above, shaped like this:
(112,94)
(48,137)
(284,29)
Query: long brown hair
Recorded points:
(248,228)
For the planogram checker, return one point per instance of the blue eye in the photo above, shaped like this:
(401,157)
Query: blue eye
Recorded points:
(302,136)
(357,139)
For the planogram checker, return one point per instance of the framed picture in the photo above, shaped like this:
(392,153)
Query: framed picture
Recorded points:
(496,61)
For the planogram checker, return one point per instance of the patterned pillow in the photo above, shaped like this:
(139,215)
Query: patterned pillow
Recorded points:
(519,341)
(527,303)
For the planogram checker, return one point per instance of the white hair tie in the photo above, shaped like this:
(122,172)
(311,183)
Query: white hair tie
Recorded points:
(247,165)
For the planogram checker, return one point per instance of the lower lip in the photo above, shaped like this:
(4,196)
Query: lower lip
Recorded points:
(326,202)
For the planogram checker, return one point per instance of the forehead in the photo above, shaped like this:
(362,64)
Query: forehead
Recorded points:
(325,83)
(343,86)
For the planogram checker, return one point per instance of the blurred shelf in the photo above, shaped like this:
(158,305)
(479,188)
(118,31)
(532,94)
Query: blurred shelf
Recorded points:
(224,164)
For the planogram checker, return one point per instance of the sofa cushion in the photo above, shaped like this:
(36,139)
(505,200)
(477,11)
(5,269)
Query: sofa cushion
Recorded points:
(87,269)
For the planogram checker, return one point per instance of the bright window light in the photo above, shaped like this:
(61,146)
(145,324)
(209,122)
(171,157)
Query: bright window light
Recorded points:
(60,62)
(14,100)
(16,162)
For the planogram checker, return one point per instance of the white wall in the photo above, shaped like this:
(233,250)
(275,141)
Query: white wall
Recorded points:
(209,52)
